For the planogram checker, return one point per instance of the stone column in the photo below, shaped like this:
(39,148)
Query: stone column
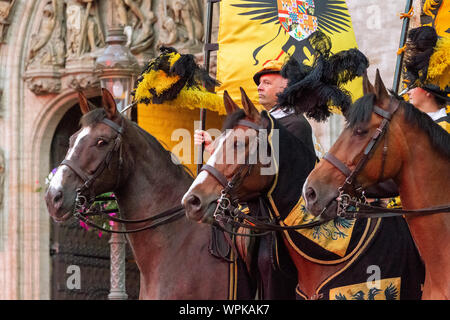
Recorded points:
(117,242)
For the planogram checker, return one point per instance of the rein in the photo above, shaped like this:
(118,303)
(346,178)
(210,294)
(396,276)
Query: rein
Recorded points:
(352,207)
(82,209)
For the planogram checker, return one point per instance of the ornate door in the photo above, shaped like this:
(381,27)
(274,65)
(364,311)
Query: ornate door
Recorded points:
(79,258)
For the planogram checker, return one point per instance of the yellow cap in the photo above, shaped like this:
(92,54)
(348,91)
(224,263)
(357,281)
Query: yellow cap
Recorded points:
(270,66)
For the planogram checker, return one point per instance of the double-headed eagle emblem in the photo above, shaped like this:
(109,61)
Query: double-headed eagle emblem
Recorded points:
(299,19)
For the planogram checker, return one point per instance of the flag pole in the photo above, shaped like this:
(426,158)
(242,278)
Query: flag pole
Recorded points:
(403,35)
(206,64)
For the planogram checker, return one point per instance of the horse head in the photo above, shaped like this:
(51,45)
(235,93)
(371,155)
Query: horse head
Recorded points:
(359,140)
(91,163)
(233,167)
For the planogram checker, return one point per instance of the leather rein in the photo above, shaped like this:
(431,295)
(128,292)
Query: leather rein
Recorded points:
(83,203)
(352,207)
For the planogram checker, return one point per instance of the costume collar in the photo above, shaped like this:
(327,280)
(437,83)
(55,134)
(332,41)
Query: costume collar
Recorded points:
(437,114)
(277,113)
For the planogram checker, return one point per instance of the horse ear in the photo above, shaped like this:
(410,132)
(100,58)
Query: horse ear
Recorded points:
(230,105)
(249,107)
(84,104)
(109,104)
(380,90)
(367,86)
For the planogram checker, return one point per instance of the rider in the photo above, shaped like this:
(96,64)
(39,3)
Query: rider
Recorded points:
(427,63)
(427,77)
(270,83)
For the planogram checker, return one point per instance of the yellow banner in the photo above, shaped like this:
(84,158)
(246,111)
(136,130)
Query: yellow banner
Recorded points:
(254,31)
(440,12)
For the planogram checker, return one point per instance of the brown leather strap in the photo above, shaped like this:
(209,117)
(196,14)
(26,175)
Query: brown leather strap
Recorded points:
(216,174)
(249,124)
(72,165)
(337,163)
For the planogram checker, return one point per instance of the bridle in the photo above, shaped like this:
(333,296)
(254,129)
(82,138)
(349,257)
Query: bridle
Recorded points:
(85,197)
(228,203)
(227,211)
(84,194)
(351,201)
(349,192)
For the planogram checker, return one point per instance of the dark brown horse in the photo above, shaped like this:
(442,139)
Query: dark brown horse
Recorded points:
(412,150)
(173,259)
(320,274)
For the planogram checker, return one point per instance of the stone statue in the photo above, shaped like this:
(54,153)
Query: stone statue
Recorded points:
(48,45)
(168,34)
(84,32)
(187,17)
(188,13)
(5,9)
(137,18)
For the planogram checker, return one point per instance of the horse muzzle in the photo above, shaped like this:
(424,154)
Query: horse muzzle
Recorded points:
(57,205)
(320,203)
(197,209)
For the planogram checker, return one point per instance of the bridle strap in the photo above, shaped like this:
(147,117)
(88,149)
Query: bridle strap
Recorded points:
(337,163)
(249,124)
(216,174)
(379,133)
(113,125)
(89,179)
(72,165)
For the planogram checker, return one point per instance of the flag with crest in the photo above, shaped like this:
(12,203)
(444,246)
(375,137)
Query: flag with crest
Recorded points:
(254,31)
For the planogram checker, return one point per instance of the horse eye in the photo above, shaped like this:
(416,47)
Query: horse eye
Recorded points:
(101,143)
(360,132)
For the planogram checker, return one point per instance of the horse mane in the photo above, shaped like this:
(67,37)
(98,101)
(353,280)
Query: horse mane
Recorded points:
(362,109)
(98,114)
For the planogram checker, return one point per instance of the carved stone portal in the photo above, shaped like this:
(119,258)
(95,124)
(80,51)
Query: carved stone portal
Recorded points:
(70,35)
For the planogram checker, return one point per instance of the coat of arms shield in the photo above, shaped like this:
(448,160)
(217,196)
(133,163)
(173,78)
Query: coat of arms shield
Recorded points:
(297,17)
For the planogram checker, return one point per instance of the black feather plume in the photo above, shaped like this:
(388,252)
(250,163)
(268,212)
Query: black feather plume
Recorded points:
(419,48)
(313,90)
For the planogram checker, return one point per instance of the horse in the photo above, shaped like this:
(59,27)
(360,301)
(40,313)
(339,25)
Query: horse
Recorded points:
(410,149)
(319,274)
(173,258)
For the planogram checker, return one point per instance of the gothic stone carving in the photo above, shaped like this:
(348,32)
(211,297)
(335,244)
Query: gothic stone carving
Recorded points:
(5,9)
(137,18)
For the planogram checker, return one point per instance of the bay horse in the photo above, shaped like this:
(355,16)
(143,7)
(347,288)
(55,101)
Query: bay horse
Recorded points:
(174,258)
(319,274)
(414,152)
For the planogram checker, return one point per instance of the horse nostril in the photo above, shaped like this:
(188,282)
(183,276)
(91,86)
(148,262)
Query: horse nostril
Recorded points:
(194,202)
(310,194)
(58,196)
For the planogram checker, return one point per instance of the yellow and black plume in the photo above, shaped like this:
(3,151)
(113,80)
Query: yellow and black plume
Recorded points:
(427,61)
(175,79)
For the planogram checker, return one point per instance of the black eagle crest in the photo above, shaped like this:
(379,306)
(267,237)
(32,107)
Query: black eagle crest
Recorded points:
(299,18)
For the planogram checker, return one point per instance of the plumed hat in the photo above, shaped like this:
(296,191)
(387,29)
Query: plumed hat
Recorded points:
(427,62)
(314,90)
(175,79)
